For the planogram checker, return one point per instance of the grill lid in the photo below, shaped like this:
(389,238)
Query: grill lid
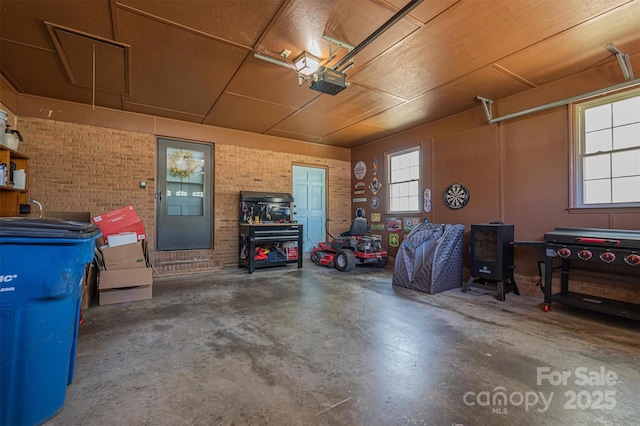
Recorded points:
(593,236)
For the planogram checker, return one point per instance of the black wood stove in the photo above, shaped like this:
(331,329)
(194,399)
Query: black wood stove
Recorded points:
(577,246)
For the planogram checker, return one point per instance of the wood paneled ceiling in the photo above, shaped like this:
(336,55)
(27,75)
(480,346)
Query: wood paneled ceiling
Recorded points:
(193,60)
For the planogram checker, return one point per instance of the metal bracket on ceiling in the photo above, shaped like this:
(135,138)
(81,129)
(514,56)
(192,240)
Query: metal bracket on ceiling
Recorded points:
(335,44)
(623,60)
(486,104)
(272,60)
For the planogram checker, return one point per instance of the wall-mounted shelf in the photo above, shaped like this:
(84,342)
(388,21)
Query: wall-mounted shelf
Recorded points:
(11,197)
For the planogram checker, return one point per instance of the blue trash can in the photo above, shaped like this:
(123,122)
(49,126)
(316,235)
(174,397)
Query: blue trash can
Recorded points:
(42,264)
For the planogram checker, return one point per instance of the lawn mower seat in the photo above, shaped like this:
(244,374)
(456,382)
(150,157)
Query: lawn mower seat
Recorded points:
(358,228)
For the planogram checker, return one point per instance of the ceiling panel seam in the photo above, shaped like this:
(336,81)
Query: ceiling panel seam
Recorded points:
(514,75)
(32,46)
(182,27)
(259,100)
(116,36)
(559,33)
(163,109)
(247,58)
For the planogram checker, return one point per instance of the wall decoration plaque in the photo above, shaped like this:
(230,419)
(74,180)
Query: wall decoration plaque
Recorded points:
(394,224)
(360,170)
(375,202)
(410,223)
(378,226)
(375,185)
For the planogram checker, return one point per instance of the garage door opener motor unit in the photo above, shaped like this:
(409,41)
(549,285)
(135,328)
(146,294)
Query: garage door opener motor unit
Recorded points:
(329,81)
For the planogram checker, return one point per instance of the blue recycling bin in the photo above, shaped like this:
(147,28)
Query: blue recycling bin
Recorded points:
(42,264)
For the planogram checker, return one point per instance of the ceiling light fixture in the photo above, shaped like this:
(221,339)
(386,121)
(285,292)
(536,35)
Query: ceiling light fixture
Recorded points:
(306,63)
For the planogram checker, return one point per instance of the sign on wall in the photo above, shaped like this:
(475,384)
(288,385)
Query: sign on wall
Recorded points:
(360,170)
(394,224)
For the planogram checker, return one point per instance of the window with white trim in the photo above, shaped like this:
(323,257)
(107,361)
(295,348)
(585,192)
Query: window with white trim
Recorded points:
(404,180)
(608,151)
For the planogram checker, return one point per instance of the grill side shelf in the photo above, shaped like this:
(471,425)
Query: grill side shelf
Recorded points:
(571,262)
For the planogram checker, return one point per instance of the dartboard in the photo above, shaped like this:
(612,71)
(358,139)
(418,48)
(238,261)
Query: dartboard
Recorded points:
(456,196)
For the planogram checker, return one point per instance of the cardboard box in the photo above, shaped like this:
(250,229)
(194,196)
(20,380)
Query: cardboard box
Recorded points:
(89,285)
(120,278)
(125,295)
(120,221)
(292,253)
(125,273)
(127,256)
(122,239)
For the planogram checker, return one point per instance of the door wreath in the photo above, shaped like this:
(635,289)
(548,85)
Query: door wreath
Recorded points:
(181,164)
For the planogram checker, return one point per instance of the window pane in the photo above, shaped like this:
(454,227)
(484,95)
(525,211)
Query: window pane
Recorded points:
(393,190)
(597,166)
(403,190)
(626,163)
(395,163)
(626,190)
(626,136)
(598,141)
(401,175)
(414,173)
(414,159)
(626,112)
(597,191)
(412,189)
(414,199)
(597,118)
(185,182)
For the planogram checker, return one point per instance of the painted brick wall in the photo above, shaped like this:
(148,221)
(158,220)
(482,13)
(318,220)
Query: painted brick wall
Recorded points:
(75,167)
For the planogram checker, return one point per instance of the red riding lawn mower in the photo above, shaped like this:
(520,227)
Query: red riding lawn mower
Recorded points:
(352,248)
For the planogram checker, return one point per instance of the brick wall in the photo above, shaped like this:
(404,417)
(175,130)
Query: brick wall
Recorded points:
(77,167)
(245,169)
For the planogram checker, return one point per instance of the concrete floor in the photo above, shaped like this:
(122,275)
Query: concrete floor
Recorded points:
(315,346)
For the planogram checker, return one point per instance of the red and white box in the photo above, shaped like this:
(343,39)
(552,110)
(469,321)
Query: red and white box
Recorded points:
(292,253)
(120,221)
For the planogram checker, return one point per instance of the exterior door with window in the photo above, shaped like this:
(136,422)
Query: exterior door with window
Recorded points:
(184,197)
